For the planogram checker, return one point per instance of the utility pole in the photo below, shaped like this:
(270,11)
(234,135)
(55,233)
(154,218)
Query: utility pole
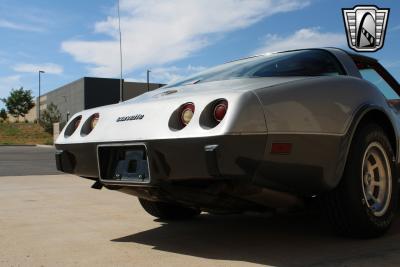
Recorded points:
(148,80)
(40,72)
(121,97)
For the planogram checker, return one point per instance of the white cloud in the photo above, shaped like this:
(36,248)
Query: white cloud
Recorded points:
(7,83)
(303,38)
(50,68)
(395,28)
(171,74)
(167,74)
(160,32)
(18,26)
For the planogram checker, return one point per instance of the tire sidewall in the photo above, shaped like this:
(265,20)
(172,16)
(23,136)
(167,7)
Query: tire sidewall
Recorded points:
(358,208)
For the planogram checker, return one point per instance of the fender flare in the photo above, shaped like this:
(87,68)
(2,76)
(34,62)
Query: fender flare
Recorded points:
(348,137)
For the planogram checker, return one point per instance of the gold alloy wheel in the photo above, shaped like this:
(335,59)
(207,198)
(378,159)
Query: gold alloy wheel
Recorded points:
(376,179)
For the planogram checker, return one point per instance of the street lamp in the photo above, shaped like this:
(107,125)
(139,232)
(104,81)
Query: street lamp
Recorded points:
(40,72)
(66,103)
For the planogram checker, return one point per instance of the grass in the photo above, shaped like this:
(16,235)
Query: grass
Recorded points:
(24,134)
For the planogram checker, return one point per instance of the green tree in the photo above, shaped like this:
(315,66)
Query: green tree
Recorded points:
(19,102)
(49,116)
(3,114)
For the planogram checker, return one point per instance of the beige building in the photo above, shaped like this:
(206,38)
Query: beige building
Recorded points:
(31,116)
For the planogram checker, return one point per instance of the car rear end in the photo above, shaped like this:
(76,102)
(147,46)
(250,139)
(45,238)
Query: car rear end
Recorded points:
(166,138)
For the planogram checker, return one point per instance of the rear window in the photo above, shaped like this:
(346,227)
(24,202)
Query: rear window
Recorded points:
(286,64)
(371,74)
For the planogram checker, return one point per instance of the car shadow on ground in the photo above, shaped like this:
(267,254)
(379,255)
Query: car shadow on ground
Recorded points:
(301,239)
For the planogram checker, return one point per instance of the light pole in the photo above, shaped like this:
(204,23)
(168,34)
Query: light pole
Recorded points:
(66,103)
(40,72)
(121,90)
(148,80)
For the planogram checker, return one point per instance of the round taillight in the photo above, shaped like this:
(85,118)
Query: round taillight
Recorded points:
(220,109)
(72,126)
(187,112)
(89,124)
(94,120)
(77,122)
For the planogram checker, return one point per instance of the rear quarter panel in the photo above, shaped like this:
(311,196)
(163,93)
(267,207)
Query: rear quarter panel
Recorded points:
(317,105)
(316,116)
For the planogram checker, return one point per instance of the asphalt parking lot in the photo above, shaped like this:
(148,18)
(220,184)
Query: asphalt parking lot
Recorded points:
(27,160)
(51,219)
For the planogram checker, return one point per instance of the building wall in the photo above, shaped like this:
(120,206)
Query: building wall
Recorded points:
(68,98)
(101,92)
(133,89)
(89,92)
(31,116)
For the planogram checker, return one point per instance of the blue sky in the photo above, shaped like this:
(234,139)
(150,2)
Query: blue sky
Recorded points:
(72,39)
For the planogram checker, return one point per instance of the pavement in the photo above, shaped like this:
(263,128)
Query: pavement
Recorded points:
(58,220)
(27,160)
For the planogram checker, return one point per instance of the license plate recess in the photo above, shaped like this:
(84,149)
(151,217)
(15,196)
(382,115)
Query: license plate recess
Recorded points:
(124,163)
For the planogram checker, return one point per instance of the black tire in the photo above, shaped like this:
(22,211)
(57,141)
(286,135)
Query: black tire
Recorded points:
(346,206)
(168,211)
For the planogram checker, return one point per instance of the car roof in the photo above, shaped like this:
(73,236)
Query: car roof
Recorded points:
(354,55)
(346,58)
(360,57)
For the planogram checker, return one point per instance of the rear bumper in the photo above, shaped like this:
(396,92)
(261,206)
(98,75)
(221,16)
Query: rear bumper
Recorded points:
(233,156)
(65,161)
(307,170)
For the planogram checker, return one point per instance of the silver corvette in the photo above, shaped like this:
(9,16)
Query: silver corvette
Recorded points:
(262,133)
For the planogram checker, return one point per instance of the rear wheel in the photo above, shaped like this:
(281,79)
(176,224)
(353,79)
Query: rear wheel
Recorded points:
(168,211)
(364,202)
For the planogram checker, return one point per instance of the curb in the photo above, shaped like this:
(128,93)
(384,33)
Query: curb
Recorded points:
(19,145)
(16,145)
(45,146)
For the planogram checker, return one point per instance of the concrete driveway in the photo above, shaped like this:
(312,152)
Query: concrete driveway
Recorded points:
(58,220)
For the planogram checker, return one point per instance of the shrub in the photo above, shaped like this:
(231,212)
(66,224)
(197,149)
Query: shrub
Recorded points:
(49,116)
(3,115)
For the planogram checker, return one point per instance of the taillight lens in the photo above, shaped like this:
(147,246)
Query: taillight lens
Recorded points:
(220,109)
(72,126)
(187,112)
(77,122)
(94,120)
